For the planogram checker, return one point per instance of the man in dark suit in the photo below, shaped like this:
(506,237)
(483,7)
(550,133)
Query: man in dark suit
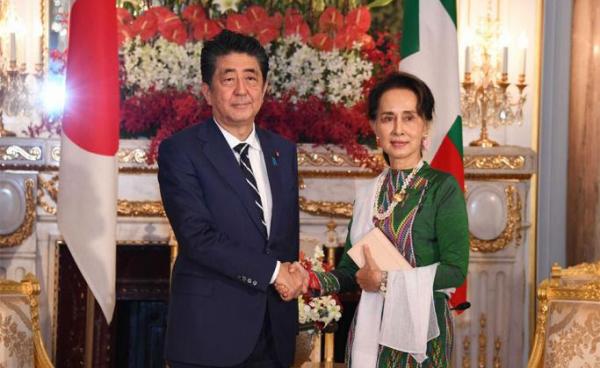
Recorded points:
(230,191)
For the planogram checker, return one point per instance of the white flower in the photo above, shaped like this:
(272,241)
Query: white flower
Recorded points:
(224,5)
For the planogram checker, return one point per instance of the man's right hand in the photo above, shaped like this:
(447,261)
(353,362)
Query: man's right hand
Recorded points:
(291,281)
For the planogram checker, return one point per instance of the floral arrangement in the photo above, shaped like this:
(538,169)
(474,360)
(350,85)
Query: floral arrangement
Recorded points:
(322,310)
(322,64)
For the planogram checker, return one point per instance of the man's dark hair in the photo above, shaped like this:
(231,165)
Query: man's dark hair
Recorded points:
(401,80)
(228,42)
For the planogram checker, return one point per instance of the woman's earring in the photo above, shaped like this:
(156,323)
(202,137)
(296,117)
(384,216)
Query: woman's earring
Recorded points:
(377,141)
(425,143)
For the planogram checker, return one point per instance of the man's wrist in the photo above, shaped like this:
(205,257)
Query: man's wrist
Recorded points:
(275,272)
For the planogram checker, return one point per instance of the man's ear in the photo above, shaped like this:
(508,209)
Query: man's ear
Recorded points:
(205,89)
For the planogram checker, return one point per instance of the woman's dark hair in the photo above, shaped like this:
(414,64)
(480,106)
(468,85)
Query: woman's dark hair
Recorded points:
(228,42)
(401,80)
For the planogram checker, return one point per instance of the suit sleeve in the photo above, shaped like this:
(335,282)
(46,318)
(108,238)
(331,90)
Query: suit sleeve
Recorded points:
(194,227)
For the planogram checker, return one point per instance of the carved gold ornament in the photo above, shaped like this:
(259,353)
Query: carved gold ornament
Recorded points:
(55,153)
(14,153)
(466,360)
(140,208)
(494,162)
(375,162)
(512,230)
(559,288)
(26,229)
(482,341)
(132,156)
(325,208)
(47,187)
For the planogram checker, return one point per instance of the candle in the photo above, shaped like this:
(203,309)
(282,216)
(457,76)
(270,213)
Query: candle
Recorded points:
(13,46)
(505,60)
(467,59)
(523,49)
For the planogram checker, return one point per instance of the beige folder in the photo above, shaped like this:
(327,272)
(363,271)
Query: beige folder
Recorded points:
(384,253)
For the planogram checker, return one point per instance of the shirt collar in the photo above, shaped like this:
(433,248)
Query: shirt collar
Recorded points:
(233,141)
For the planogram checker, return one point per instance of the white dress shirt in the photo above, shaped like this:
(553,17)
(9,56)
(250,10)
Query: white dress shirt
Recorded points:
(259,169)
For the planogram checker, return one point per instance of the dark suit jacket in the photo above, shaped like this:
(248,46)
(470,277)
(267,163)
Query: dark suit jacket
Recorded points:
(220,292)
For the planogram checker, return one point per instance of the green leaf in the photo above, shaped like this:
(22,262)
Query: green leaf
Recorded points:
(379,3)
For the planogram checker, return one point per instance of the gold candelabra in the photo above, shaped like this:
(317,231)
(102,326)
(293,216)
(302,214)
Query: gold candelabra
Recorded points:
(486,98)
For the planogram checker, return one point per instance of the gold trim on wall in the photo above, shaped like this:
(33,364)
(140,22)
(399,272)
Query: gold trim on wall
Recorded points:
(512,230)
(127,208)
(14,153)
(494,162)
(326,208)
(132,156)
(26,228)
(47,186)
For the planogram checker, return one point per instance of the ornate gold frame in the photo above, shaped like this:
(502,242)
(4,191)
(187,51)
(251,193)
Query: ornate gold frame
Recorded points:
(30,288)
(579,283)
(512,230)
(26,229)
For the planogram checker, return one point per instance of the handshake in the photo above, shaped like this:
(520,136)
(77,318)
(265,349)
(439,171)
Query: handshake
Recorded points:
(292,281)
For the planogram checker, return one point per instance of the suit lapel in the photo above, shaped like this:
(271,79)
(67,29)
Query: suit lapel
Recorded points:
(218,152)
(270,154)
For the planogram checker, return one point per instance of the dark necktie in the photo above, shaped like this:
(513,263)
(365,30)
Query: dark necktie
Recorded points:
(242,149)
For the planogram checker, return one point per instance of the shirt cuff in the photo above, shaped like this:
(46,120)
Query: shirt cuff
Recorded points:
(275,273)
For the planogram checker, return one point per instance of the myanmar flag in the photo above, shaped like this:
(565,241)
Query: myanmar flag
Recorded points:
(430,51)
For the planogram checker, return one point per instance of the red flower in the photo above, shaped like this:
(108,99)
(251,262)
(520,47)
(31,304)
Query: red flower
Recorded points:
(366,41)
(322,42)
(239,23)
(123,16)
(295,25)
(145,26)
(256,13)
(331,20)
(265,32)
(360,18)
(194,13)
(206,29)
(346,38)
(175,33)
(124,33)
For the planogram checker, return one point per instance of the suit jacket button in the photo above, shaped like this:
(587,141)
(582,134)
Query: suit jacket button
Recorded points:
(268,251)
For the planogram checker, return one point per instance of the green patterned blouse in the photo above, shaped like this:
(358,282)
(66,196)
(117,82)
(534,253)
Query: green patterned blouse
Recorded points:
(439,234)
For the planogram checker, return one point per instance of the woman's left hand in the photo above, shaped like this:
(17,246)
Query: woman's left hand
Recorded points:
(369,276)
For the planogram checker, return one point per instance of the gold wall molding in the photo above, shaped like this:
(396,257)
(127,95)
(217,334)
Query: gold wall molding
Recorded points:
(512,230)
(339,174)
(482,341)
(494,162)
(14,153)
(497,357)
(47,187)
(326,208)
(132,156)
(140,208)
(55,153)
(466,359)
(26,229)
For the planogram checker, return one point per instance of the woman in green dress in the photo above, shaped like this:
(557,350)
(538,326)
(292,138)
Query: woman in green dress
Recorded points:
(422,212)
